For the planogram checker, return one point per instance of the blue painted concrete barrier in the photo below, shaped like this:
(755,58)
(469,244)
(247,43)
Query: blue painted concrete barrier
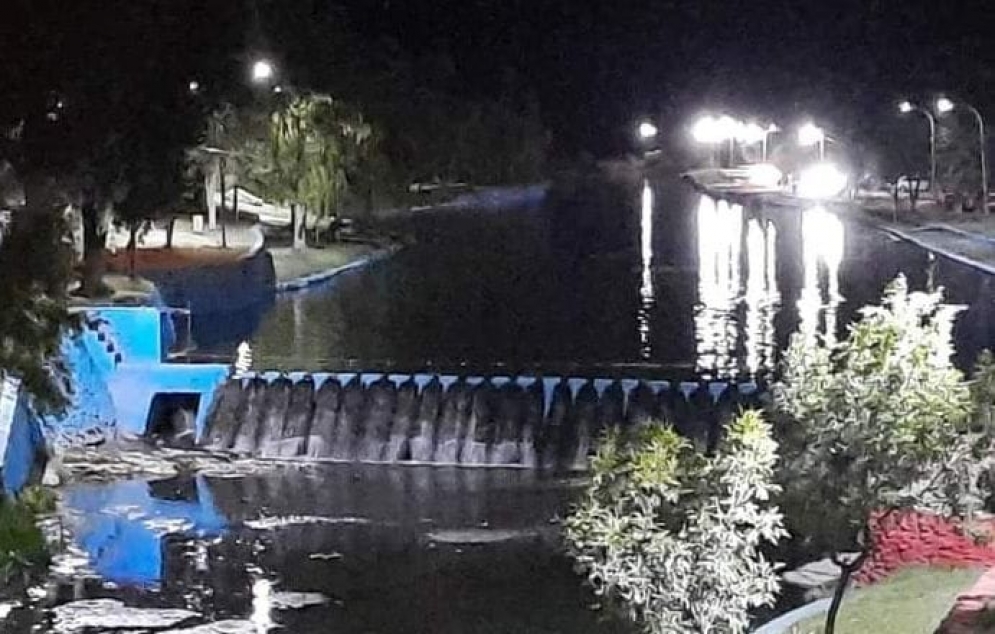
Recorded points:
(119,364)
(21,440)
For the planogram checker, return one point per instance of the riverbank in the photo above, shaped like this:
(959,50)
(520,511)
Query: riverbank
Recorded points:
(965,238)
(300,269)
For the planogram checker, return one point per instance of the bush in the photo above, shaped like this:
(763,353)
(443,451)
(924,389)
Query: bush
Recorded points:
(874,424)
(673,536)
(22,545)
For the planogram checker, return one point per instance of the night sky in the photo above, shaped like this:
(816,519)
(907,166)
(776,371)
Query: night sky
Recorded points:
(594,65)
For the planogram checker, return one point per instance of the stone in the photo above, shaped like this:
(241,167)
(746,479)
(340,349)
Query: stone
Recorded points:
(110,614)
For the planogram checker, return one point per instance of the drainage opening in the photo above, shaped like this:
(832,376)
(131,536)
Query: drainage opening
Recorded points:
(171,419)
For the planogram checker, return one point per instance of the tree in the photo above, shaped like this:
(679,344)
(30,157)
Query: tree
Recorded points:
(312,143)
(33,313)
(874,424)
(674,535)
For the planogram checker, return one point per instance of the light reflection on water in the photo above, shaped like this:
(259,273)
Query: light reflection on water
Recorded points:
(370,549)
(647,295)
(698,285)
(720,227)
(823,245)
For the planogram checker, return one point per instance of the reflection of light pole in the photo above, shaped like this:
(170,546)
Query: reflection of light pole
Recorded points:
(906,107)
(811,134)
(945,105)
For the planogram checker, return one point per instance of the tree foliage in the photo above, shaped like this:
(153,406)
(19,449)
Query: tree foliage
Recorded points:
(673,535)
(874,424)
(33,314)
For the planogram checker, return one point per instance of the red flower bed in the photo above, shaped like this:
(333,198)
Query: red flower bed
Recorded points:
(911,538)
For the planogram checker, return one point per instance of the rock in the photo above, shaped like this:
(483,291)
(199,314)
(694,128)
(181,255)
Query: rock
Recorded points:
(109,614)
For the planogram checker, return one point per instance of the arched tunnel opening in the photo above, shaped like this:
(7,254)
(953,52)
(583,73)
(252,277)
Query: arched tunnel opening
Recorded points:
(171,419)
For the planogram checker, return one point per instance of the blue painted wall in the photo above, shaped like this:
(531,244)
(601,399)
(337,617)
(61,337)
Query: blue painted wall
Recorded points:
(118,366)
(24,444)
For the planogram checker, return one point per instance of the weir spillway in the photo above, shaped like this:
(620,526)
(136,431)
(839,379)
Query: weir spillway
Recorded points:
(550,423)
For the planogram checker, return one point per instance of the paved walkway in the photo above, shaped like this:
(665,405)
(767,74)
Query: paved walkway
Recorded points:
(974,610)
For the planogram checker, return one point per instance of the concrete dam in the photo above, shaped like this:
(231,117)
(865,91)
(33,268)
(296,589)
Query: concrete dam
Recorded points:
(525,422)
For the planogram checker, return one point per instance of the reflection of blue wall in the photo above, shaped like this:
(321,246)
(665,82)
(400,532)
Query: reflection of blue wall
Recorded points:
(113,526)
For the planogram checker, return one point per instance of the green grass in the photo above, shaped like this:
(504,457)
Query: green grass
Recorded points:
(914,601)
(22,545)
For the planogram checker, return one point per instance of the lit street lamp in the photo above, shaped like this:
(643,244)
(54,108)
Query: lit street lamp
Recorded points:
(945,105)
(811,134)
(905,108)
(194,86)
(647,131)
(712,131)
(750,133)
(262,71)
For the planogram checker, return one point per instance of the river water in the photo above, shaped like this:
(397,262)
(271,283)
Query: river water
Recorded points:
(652,280)
(657,279)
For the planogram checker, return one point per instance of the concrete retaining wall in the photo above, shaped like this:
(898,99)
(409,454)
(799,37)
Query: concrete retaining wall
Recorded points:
(118,365)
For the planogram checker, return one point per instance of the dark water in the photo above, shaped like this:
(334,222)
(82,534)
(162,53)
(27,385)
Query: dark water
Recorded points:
(659,280)
(392,550)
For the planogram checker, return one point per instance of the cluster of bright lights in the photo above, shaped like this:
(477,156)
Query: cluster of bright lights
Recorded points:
(822,181)
(712,130)
(764,175)
(810,134)
(647,130)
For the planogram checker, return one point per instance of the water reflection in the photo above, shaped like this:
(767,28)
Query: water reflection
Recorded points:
(456,548)
(762,297)
(262,606)
(823,241)
(720,227)
(647,296)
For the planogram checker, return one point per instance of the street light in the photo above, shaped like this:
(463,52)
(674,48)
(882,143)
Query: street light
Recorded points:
(750,133)
(194,86)
(811,134)
(945,105)
(905,108)
(262,71)
(647,131)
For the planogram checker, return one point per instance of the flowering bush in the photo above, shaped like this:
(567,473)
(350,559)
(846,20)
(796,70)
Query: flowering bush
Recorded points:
(874,424)
(674,535)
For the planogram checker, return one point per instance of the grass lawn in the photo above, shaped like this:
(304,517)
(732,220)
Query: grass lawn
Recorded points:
(914,601)
(290,264)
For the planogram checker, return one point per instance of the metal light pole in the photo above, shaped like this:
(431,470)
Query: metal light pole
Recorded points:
(984,161)
(906,107)
(945,105)
(771,129)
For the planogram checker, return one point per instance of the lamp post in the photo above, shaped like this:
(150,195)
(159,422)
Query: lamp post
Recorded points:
(771,129)
(945,105)
(906,107)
